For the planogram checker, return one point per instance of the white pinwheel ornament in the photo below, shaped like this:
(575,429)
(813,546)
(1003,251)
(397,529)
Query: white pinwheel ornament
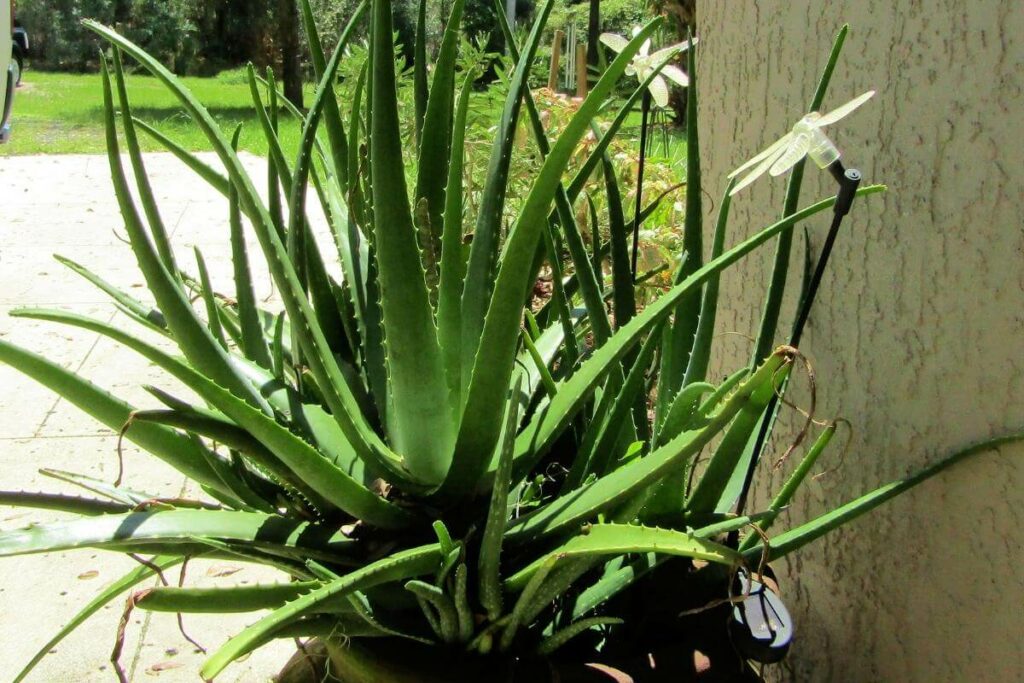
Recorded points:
(805,139)
(645,63)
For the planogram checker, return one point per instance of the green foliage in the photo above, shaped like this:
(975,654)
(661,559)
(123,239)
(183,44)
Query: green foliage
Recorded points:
(420,464)
(165,28)
(617,16)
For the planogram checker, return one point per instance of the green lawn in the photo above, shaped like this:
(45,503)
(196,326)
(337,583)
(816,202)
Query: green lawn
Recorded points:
(56,113)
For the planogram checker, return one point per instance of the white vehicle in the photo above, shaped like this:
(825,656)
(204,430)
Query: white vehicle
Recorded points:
(8,79)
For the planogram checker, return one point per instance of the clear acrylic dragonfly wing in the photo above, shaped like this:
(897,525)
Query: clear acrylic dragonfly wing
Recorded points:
(675,74)
(844,110)
(614,41)
(795,151)
(771,150)
(665,52)
(767,158)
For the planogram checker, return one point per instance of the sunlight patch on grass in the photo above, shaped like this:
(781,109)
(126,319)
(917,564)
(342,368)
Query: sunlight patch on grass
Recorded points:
(56,113)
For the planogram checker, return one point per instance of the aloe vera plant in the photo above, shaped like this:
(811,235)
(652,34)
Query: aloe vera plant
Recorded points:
(427,467)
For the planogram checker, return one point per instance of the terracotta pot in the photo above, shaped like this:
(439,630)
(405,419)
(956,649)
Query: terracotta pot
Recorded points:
(391,660)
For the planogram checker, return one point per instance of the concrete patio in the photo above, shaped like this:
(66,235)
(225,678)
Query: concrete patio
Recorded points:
(66,205)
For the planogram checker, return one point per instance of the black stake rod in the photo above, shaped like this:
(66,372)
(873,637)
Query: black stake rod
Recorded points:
(849,180)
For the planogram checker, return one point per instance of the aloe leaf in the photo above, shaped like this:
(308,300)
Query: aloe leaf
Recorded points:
(780,267)
(612,583)
(62,503)
(595,240)
(342,404)
(680,336)
(200,167)
(365,610)
(355,124)
(447,617)
(307,257)
(253,340)
(627,481)
(492,368)
(597,452)
(275,154)
(560,299)
(560,638)
(311,421)
(220,600)
(586,272)
(212,314)
(711,492)
(435,148)
(175,526)
(794,539)
(686,409)
(118,494)
(271,133)
(308,464)
(145,190)
(497,516)
(453,263)
(620,539)
(548,423)
(788,490)
(546,380)
(623,295)
(527,374)
(150,316)
(402,565)
(332,115)
(108,594)
(526,601)
(697,365)
(483,253)
(192,336)
(171,447)
(237,439)
(419,425)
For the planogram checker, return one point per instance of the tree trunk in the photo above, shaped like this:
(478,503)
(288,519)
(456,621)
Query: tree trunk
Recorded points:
(917,333)
(593,33)
(290,49)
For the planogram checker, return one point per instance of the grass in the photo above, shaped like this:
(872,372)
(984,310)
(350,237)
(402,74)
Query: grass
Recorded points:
(59,113)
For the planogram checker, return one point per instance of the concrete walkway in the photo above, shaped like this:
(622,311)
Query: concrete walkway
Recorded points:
(65,205)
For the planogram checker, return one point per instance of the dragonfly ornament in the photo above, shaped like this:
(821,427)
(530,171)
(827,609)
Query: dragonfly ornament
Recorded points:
(805,139)
(645,63)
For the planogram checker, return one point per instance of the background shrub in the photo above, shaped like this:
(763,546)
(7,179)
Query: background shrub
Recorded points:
(165,28)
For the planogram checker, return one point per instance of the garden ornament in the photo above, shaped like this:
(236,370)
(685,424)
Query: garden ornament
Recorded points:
(805,139)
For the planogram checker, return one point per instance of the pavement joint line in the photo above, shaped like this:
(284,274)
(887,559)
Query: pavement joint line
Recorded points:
(77,369)
(181,217)
(51,437)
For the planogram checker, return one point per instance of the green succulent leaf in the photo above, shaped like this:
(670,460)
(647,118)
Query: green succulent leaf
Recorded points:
(174,527)
(796,538)
(420,426)
(481,420)
(401,565)
(620,539)
(221,600)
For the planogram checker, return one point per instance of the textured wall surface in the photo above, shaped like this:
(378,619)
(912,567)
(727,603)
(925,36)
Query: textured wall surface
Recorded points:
(918,334)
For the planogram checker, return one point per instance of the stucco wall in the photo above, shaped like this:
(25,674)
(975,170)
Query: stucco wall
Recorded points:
(918,335)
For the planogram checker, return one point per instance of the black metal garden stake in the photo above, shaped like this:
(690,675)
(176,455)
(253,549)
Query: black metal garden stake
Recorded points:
(848,180)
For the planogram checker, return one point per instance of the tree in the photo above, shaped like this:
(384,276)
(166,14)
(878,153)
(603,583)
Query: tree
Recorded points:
(594,33)
(289,48)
